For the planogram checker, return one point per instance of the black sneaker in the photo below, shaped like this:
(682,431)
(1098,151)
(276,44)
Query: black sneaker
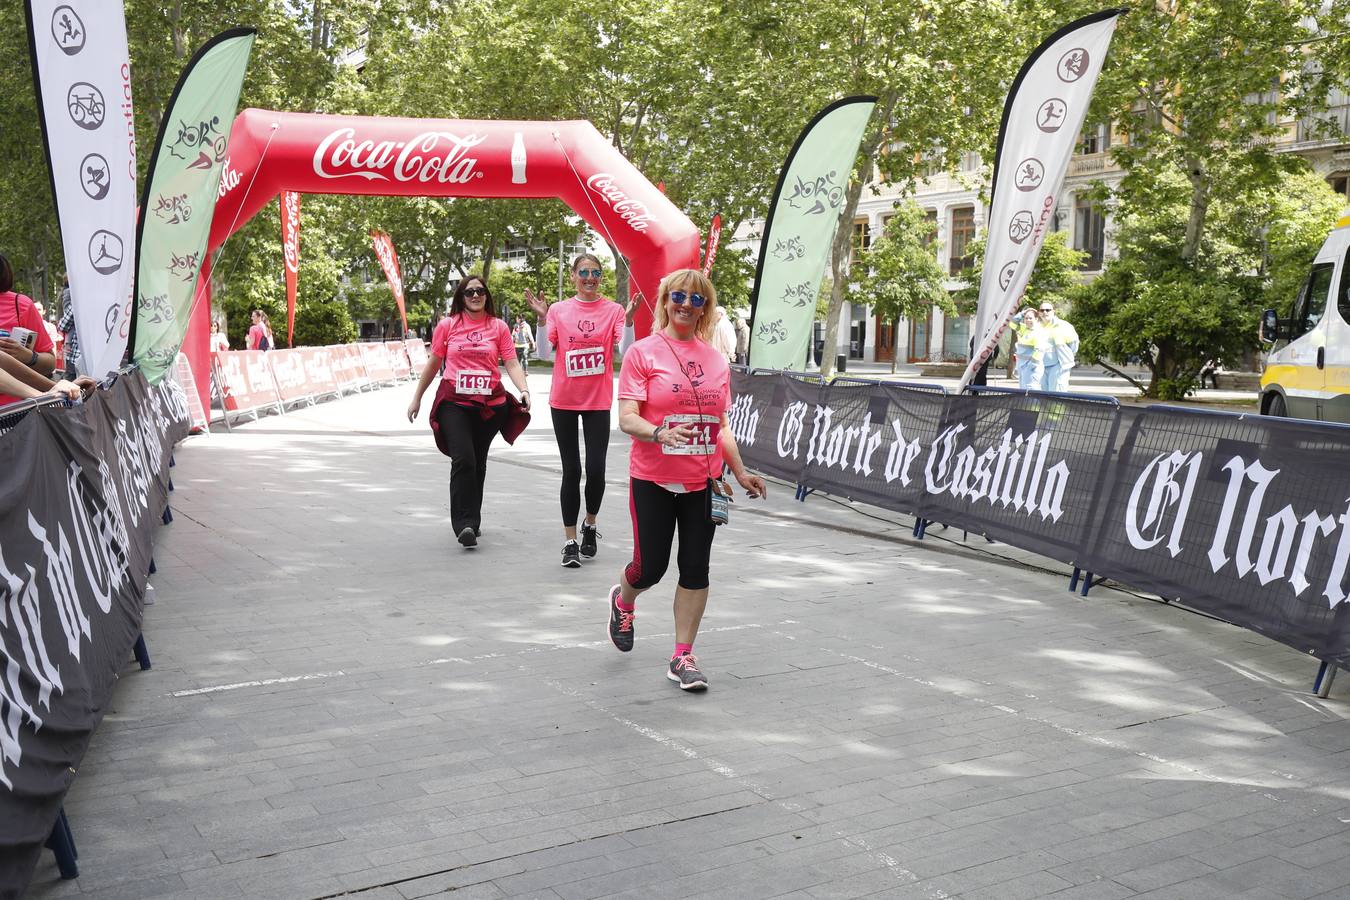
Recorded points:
(589,536)
(684,670)
(468,537)
(571,559)
(620,622)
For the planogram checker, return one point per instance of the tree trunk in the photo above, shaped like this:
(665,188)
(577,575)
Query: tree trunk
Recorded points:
(843,234)
(839,267)
(489,252)
(180,46)
(1195,224)
(1159,363)
(316,27)
(621,279)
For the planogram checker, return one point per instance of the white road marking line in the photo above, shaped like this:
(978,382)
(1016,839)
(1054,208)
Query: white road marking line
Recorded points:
(547,648)
(263,683)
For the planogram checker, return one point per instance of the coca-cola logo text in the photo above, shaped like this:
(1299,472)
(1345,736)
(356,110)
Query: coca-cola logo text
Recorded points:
(634,212)
(384,251)
(229,179)
(431,156)
(291,248)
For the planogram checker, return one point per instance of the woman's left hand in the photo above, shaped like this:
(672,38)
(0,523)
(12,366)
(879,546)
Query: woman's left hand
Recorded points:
(525,400)
(753,485)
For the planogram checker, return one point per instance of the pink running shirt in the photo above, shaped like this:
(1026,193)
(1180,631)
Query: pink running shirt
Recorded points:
(471,349)
(583,334)
(18,310)
(677,383)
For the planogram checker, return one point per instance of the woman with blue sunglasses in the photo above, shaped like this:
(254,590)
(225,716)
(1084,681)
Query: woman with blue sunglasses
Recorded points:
(584,332)
(674,392)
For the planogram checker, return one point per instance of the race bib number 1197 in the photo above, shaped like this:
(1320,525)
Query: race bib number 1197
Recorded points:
(470,381)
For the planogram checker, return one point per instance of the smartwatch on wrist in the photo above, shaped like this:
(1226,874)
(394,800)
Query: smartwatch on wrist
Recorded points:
(33,362)
(656,433)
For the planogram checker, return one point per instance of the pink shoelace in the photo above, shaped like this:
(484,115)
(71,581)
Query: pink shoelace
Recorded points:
(686,661)
(625,619)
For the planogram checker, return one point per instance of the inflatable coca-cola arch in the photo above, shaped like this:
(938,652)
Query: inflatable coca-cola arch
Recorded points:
(319,154)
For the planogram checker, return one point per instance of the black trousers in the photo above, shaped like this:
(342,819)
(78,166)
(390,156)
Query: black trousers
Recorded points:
(657,516)
(468,435)
(595,431)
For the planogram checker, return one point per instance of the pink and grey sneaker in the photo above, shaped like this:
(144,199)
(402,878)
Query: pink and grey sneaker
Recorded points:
(684,670)
(620,622)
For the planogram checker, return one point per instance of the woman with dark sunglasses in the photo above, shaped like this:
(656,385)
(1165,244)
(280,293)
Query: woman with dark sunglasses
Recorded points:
(471,406)
(583,331)
(674,392)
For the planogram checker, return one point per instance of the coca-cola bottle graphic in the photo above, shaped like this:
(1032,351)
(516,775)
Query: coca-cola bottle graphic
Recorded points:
(518,159)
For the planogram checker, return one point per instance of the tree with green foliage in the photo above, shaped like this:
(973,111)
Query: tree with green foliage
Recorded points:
(1202,92)
(1293,223)
(1173,314)
(903,278)
(917,59)
(733,274)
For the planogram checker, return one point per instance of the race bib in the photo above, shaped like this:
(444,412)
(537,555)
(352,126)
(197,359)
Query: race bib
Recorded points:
(584,361)
(473,381)
(704,440)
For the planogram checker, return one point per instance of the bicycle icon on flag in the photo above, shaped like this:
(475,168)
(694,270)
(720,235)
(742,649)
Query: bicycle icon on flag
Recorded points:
(86,106)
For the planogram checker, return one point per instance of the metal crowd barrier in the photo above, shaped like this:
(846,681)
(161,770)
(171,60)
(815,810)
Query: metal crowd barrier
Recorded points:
(12,414)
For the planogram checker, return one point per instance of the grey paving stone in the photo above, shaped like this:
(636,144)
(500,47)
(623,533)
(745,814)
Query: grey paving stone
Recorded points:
(888,718)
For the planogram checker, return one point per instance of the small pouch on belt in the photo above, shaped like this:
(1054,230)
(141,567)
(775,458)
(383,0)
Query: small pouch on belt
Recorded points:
(719,502)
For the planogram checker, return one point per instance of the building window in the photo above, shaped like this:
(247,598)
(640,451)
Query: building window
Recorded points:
(1340,184)
(862,239)
(930,219)
(962,233)
(1094,139)
(956,339)
(1089,233)
(931,166)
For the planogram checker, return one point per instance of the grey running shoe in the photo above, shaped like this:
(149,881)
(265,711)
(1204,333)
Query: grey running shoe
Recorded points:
(620,622)
(684,670)
(468,537)
(589,536)
(571,559)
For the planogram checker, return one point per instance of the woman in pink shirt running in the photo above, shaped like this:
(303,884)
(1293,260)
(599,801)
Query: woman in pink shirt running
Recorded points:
(674,391)
(584,331)
(471,406)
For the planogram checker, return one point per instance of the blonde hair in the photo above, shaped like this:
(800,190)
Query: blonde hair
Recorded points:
(694,282)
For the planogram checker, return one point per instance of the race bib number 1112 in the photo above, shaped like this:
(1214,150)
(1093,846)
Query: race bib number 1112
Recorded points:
(584,361)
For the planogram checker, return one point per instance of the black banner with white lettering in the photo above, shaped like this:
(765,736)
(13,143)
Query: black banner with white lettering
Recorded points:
(1244,517)
(81,490)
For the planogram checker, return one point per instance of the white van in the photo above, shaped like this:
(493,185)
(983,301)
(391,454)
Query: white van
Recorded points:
(1308,369)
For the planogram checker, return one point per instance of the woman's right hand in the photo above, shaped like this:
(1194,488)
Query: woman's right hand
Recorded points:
(676,435)
(413,408)
(537,303)
(69,388)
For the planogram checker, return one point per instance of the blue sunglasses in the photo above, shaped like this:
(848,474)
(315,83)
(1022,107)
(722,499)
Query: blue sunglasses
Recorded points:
(695,300)
(589,273)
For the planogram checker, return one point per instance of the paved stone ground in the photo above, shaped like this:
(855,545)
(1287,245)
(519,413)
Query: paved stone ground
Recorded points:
(346,703)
